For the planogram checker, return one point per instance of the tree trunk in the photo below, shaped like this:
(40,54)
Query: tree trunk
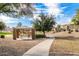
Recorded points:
(44,33)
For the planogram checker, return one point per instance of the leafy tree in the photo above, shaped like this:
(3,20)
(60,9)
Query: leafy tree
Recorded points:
(17,9)
(2,26)
(44,23)
(19,24)
(75,19)
(58,28)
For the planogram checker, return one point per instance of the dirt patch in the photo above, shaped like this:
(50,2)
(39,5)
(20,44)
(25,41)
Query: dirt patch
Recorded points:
(64,47)
(16,47)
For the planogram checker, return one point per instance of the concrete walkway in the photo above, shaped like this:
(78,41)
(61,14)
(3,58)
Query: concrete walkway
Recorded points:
(42,49)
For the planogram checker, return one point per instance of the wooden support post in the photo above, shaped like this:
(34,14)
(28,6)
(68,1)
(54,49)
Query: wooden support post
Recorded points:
(14,34)
(33,34)
(17,32)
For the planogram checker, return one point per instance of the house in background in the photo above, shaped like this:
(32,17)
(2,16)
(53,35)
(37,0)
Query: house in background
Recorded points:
(8,29)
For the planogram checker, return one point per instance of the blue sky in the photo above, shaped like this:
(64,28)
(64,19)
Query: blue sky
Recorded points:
(63,13)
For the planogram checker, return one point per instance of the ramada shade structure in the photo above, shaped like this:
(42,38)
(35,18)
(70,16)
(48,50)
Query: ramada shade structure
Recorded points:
(26,32)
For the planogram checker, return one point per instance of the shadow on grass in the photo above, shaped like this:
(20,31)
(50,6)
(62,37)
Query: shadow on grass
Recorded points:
(50,37)
(40,36)
(67,38)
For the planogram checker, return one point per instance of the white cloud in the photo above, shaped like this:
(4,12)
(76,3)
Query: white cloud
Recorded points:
(7,19)
(57,11)
(2,17)
(64,7)
(12,22)
(36,16)
(63,19)
(53,8)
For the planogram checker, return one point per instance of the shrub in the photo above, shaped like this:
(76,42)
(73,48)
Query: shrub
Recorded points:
(40,36)
(69,31)
(2,36)
(64,29)
(76,30)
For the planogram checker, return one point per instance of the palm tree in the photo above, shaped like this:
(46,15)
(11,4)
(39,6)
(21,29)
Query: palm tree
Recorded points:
(45,23)
(17,9)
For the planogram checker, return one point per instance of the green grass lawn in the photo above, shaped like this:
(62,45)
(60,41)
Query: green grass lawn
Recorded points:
(39,32)
(5,33)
